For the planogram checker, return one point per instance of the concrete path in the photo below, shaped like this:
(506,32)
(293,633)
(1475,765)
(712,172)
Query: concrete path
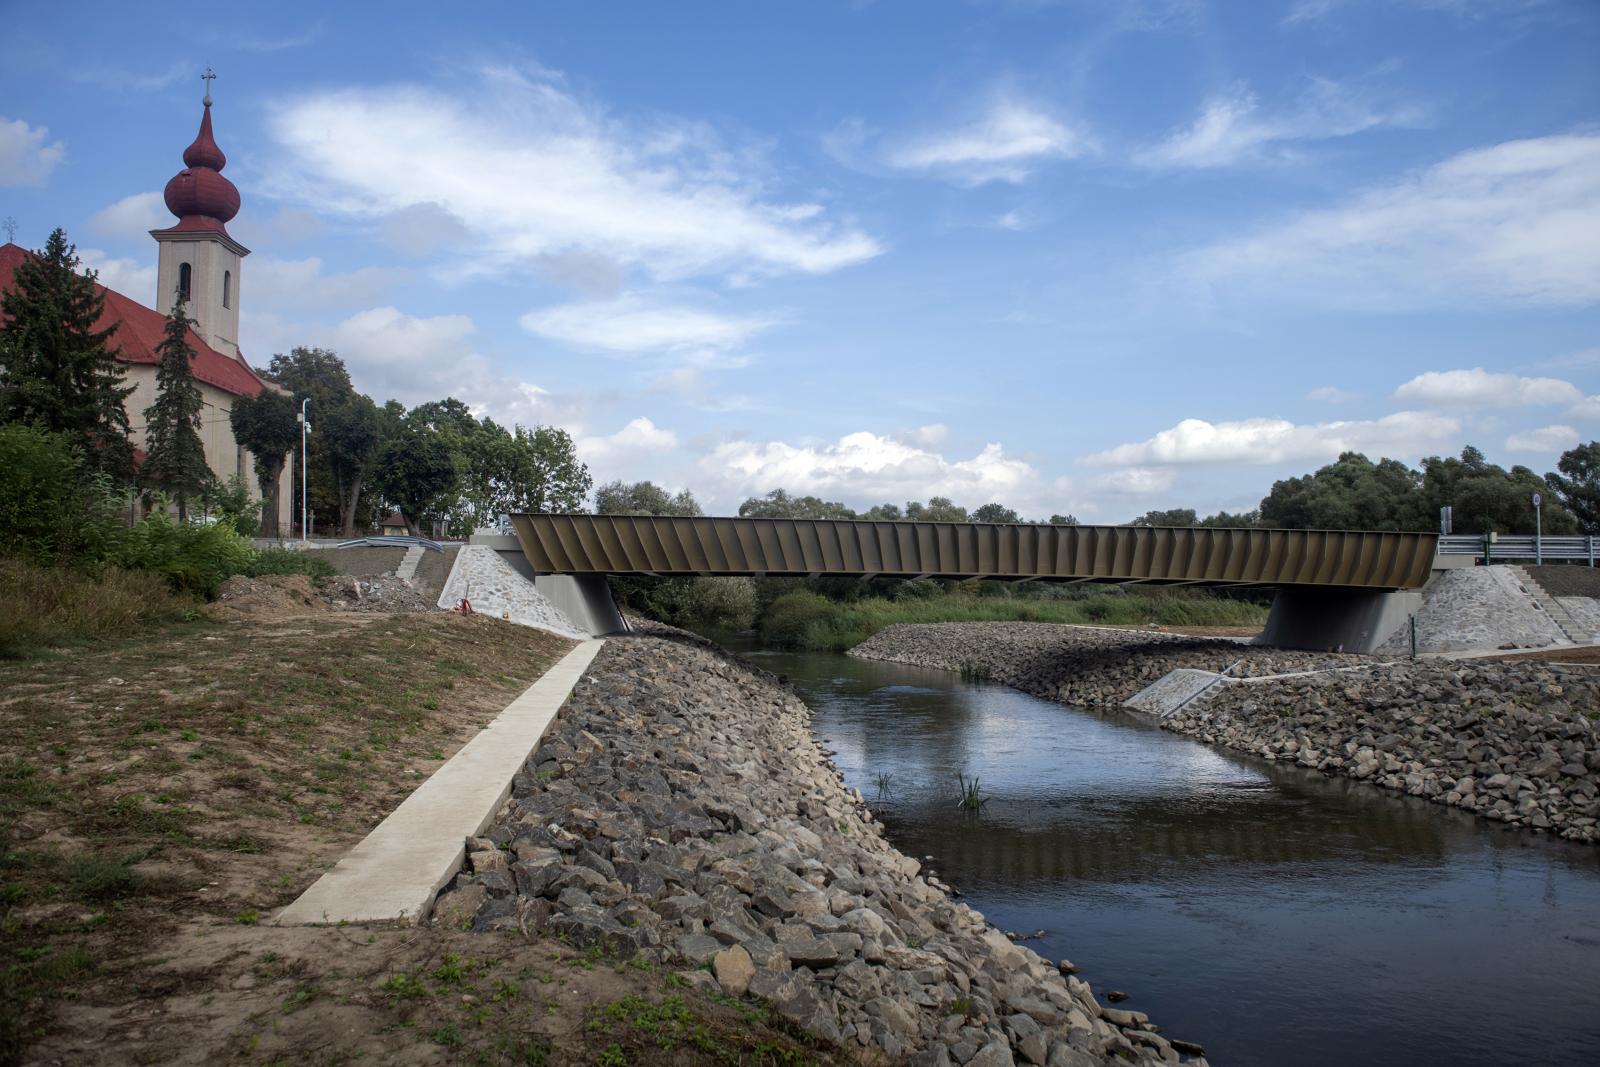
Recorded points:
(396,870)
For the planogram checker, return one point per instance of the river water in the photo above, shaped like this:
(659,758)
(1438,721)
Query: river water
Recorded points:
(1271,914)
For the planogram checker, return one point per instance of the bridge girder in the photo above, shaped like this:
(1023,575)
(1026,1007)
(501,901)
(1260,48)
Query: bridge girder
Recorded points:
(666,546)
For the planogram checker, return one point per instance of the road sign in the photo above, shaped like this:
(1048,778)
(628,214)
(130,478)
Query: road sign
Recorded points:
(1537,500)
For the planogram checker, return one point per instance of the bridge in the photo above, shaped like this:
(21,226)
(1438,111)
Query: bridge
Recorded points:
(653,545)
(1335,588)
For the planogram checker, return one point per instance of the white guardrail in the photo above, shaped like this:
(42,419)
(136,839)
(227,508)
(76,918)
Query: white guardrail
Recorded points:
(1492,549)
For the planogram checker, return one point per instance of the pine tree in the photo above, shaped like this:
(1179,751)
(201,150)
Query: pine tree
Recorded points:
(57,370)
(175,460)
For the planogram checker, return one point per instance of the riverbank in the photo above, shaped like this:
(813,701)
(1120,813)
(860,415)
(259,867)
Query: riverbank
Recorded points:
(679,811)
(1515,742)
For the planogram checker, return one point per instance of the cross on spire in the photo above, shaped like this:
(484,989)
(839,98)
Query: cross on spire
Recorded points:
(208,77)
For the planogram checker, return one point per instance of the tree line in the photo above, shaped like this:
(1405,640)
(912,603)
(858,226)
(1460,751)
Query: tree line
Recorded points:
(437,463)
(1351,493)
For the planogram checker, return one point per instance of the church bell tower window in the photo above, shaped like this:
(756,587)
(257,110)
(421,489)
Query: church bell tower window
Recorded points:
(183,281)
(227,288)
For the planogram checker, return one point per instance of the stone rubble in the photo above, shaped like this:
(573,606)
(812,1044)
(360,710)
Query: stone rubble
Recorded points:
(1517,742)
(679,808)
(344,592)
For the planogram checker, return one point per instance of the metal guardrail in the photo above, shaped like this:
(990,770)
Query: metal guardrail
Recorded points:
(393,541)
(1582,548)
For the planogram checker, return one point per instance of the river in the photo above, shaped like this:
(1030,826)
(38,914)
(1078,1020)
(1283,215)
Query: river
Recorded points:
(1273,915)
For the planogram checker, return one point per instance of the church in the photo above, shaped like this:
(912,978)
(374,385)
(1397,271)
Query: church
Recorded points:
(199,258)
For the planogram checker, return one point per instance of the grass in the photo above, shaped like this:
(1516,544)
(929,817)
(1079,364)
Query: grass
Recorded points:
(803,619)
(971,797)
(48,607)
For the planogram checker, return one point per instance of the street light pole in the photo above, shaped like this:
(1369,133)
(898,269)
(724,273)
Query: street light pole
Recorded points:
(305,428)
(1538,531)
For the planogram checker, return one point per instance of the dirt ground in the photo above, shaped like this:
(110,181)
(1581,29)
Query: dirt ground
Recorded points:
(363,560)
(162,798)
(1558,655)
(1568,579)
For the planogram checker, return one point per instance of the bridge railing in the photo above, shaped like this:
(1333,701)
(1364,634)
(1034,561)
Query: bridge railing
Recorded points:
(393,541)
(1579,548)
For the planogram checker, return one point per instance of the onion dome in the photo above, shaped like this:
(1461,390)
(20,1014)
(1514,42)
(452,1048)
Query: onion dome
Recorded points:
(199,195)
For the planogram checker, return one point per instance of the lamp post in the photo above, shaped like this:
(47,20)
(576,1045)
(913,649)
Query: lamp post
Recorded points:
(305,430)
(1538,530)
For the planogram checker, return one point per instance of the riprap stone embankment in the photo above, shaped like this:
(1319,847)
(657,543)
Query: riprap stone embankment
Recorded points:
(679,808)
(1516,742)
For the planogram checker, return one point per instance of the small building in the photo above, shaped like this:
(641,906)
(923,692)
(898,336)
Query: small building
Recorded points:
(198,256)
(393,526)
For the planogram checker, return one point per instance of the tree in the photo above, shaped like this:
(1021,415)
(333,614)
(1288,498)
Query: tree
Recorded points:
(1170,517)
(937,509)
(351,437)
(1484,496)
(415,472)
(1063,520)
(57,370)
(995,513)
(175,457)
(883,512)
(317,374)
(778,504)
(1578,484)
(643,498)
(1352,493)
(268,425)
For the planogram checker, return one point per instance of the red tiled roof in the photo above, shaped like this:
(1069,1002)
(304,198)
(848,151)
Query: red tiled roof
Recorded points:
(140,330)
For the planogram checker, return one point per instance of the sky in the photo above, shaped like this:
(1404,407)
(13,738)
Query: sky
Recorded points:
(1079,257)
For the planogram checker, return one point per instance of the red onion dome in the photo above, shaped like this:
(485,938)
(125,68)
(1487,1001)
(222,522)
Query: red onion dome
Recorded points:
(200,192)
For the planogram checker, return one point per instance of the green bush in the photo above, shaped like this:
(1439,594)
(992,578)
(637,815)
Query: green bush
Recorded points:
(692,603)
(51,510)
(289,561)
(42,607)
(233,502)
(787,619)
(193,557)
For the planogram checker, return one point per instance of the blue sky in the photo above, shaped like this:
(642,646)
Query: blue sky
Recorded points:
(1085,257)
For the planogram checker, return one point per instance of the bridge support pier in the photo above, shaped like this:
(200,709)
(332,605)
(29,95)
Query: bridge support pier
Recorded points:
(583,598)
(1347,620)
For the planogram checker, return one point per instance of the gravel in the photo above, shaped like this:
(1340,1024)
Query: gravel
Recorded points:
(1567,579)
(1515,742)
(679,809)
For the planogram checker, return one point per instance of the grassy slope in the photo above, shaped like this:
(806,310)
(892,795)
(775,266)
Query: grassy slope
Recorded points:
(159,799)
(826,625)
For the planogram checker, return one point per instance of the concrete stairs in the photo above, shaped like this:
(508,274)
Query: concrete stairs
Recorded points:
(1575,633)
(408,566)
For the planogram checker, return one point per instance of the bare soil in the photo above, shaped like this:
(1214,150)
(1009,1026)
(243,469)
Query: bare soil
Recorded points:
(1566,579)
(161,798)
(363,560)
(1557,655)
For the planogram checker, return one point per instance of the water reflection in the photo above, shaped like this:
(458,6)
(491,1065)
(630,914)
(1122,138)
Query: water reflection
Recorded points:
(1272,914)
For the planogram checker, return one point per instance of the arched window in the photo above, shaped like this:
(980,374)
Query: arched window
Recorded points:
(183,281)
(227,288)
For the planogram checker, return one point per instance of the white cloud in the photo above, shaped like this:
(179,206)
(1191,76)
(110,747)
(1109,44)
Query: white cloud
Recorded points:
(532,171)
(1587,410)
(1332,394)
(300,284)
(1231,127)
(1516,223)
(25,158)
(640,438)
(1262,440)
(1478,388)
(1005,143)
(131,217)
(1550,439)
(1136,481)
(132,278)
(867,466)
(288,226)
(1584,359)
(632,323)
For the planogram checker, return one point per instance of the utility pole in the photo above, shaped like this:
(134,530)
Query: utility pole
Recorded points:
(305,430)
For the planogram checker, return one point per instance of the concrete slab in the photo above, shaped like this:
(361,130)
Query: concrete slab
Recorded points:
(397,869)
(1170,692)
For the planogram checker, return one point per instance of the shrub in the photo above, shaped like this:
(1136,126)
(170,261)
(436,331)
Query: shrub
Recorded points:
(232,501)
(44,606)
(51,510)
(788,618)
(289,561)
(193,557)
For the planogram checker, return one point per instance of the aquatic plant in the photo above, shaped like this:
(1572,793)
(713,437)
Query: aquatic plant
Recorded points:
(971,797)
(972,671)
(884,780)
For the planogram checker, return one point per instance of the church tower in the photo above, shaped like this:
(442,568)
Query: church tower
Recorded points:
(197,255)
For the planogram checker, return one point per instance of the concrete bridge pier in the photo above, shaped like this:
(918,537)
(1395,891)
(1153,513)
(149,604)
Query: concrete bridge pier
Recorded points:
(1348,620)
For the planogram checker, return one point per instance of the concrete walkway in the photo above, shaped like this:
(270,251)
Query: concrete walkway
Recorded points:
(408,565)
(397,868)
